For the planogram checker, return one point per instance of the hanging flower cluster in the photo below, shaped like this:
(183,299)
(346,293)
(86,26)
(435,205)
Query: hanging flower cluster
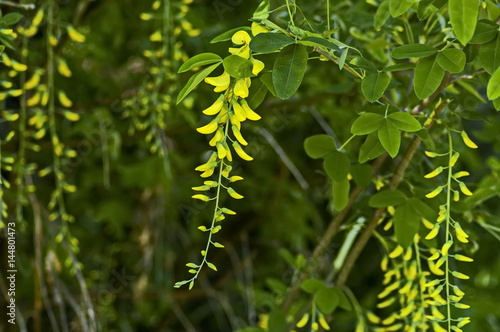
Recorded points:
(228,112)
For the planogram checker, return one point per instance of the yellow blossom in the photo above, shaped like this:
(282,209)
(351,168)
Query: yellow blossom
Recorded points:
(215,107)
(249,113)
(257,28)
(237,135)
(208,128)
(233,193)
(239,112)
(75,35)
(257,66)
(241,88)
(243,155)
(220,82)
(467,140)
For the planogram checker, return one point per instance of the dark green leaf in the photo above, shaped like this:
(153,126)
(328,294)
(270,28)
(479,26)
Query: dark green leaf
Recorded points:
(228,34)
(237,66)
(485,32)
(194,81)
(428,77)
(316,41)
(398,7)
(493,90)
(257,94)
(312,285)
(326,299)
(413,51)
(452,60)
(319,146)
(289,69)
(390,138)
(489,54)
(404,121)
(337,165)
(362,174)
(463,18)
(270,42)
(373,85)
(387,198)
(198,61)
(406,224)
(367,123)
(340,192)
(370,149)
(277,321)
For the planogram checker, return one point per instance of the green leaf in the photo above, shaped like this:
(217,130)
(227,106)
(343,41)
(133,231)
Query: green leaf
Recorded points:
(198,61)
(238,67)
(326,299)
(257,94)
(370,149)
(228,34)
(340,193)
(390,138)
(316,41)
(496,103)
(452,60)
(387,198)
(398,7)
(11,18)
(373,85)
(212,266)
(277,321)
(194,81)
(2,48)
(362,63)
(493,89)
(337,165)
(428,77)
(267,79)
(406,224)
(413,51)
(425,9)
(489,54)
(485,32)
(319,146)
(381,15)
(404,121)
(463,17)
(262,12)
(343,57)
(366,123)
(362,175)
(270,42)
(289,69)
(312,285)
(399,67)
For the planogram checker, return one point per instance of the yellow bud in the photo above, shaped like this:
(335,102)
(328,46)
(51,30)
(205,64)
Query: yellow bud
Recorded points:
(38,18)
(215,107)
(454,159)
(467,140)
(63,99)
(146,16)
(432,234)
(435,192)
(221,152)
(208,128)
(460,174)
(233,193)
(303,321)
(458,291)
(257,28)
(201,197)
(18,66)
(323,323)
(461,235)
(436,313)
(446,247)
(462,306)
(71,116)
(33,81)
(434,173)
(386,303)
(434,256)
(243,155)
(463,258)
(63,69)
(53,40)
(238,136)
(219,135)
(372,317)
(235,178)
(459,275)
(75,35)
(464,189)
(258,66)
(463,322)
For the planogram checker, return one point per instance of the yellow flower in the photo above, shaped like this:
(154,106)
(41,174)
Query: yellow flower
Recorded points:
(249,113)
(221,152)
(434,173)
(435,192)
(241,88)
(219,134)
(461,235)
(208,128)
(464,189)
(220,82)
(237,135)
(257,66)
(243,155)
(396,252)
(432,234)
(215,107)
(239,112)
(64,100)
(241,38)
(257,28)
(201,197)
(303,321)
(75,35)
(467,140)
(233,193)
(63,69)
(463,258)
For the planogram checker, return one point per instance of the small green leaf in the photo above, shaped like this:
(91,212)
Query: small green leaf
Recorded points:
(191,284)
(198,61)
(373,85)
(326,299)
(489,54)
(413,51)
(270,42)
(316,41)
(398,7)
(289,69)
(238,67)
(452,60)
(340,192)
(343,57)
(337,165)
(404,121)
(390,138)
(319,146)
(406,224)
(463,18)
(485,32)
(212,266)
(228,34)
(428,77)
(312,285)
(366,123)
(194,81)
(381,15)
(387,198)
(370,149)
(493,89)
(11,18)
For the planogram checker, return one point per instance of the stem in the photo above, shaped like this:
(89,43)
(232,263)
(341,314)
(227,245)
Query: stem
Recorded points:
(17,5)
(328,14)
(447,234)
(347,142)
(289,12)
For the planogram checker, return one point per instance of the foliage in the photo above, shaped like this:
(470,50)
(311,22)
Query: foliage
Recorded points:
(371,180)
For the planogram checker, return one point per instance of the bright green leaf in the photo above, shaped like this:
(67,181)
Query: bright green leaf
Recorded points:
(289,69)
(366,123)
(428,77)
(11,18)
(387,198)
(198,61)
(390,138)
(337,165)
(404,121)
(277,321)
(463,17)
(267,79)
(373,85)
(493,89)
(362,174)
(257,94)
(398,7)
(262,12)
(319,146)
(452,60)
(194,81)
(413,51)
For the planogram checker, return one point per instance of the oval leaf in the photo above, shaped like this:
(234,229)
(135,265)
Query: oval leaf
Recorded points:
(289,69)
(463,17)
(370,149)
(413,51)
(390,138)
(270,42)
(428,77)
(198,61)
(373,85)
(312,285)
(404,121)
(326,299)
(493,89)
(366,123)
(452,60)
(387,198)
(319,146)
(398,7)
(489,54)
(194,81)
(485,32)
(340,193)
(337,165)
